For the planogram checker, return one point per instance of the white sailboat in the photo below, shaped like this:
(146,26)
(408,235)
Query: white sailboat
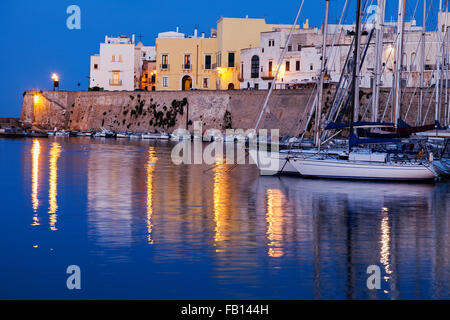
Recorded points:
(350,164)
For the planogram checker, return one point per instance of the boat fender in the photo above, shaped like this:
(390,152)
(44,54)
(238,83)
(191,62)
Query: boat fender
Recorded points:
(430,157)
(420,155)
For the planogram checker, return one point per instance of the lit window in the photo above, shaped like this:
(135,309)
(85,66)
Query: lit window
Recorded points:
(187,62)
(164,62)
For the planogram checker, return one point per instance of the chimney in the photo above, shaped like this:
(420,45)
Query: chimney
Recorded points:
(213,33)
(203,35)
(132,38)
(177,29)
(195,32)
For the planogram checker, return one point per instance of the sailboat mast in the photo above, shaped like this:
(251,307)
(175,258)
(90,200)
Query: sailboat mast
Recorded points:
(399,61)
(355,108)
(318,111)
(378,60)
(422,60)
(446,63)
(438,68)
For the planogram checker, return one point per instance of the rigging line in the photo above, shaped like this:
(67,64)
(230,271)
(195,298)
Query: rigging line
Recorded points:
(288,39)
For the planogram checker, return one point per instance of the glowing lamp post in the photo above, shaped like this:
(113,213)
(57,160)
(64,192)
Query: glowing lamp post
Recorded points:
(55,79)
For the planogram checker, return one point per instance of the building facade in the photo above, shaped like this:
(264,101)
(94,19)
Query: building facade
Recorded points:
(118,66)
(302,62)
(234,34)
(185,63)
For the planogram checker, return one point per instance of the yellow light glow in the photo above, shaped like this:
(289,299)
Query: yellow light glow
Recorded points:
(152,159)
(35,152)
(55,151)
(36,98)
(55,77)
(385,251)
(221,202)
(275,222)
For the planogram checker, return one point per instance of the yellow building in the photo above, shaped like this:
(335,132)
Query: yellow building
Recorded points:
(185,63)
(234,34)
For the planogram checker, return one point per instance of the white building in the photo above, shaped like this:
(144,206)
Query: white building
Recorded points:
(302,61)
(119,64)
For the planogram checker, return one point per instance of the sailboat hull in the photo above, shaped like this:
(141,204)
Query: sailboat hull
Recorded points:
(343,169)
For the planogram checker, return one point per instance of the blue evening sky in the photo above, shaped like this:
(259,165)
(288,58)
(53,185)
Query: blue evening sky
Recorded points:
(36,42)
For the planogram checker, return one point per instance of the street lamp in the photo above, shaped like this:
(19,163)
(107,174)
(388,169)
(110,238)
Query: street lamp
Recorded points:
(55,79)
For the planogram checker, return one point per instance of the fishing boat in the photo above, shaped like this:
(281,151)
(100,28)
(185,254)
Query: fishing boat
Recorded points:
(122,135)
(86,133)
(180,135)
(136,135)
(62,133)
(156,135)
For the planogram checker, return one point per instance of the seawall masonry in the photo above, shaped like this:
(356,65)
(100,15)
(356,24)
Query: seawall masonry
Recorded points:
(141,111)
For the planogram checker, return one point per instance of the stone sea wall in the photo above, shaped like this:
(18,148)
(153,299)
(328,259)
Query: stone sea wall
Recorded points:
(145,111)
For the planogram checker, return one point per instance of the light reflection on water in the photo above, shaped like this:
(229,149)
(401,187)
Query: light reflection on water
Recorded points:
(133,220)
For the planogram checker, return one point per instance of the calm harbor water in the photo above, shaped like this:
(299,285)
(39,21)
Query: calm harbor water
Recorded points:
(141,227)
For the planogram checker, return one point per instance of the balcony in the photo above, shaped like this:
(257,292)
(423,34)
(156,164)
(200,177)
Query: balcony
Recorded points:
(268,75)
(115,82)
(164,66)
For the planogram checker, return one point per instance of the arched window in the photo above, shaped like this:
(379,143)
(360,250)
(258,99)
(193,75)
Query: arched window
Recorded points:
(255,67)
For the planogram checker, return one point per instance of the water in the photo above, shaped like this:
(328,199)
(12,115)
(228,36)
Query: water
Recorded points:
(141,227)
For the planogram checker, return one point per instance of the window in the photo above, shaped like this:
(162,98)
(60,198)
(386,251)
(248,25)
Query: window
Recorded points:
(297,65)
(270,68)
(242,70)
(165,81)
(153,78)
(299,47)
(207,62)
(120,58)
(113,59)
(256,86)
(230,59)
(271,43)
(187,62)
(255,67)
(311,67)
(95,66)
(164,61)
(289,48)
(288,66)
(205,83)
